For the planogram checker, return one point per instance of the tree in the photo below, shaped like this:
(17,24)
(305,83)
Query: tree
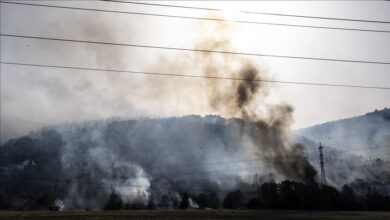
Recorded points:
(348,198)
(3,202)
(213,200)
(254,203)
(376,201)
(202,200)
(311,197)
(114,202)
(330,198)
(151,205)
(269,195)
(233,200)
(291,194)
(164,202)
(184,204)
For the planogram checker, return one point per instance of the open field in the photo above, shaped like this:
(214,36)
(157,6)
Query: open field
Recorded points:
(196,214)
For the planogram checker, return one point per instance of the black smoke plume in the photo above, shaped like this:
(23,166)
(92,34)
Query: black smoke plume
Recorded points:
(242,98)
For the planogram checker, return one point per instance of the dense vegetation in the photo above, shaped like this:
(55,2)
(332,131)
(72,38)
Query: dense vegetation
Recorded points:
(177,163)
(285,195)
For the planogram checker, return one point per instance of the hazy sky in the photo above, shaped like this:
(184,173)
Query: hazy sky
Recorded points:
(32,97)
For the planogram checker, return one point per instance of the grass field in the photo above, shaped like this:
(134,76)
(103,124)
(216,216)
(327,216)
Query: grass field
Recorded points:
(195,214)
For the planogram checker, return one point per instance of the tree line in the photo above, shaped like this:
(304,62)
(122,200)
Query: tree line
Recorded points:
(287,195)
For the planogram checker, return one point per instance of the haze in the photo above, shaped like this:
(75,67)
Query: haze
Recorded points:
(33,97)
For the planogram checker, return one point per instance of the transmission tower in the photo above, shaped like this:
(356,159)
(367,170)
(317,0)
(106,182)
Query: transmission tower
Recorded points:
(323,177)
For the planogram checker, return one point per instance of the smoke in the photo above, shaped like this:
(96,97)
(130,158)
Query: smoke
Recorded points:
(245,98)
(192,204)
(154,161)
(59,204)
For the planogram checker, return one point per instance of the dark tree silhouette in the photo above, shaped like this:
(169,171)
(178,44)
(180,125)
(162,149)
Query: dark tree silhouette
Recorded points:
(151,204)
(213,200)
(330,198)
(164,202)
(348,198)
(291,195)
(233,200)
(114,202)
(202,200)
(254,203)
(3,202)
(269,195)
(377,202)
(184,204)
(311,197)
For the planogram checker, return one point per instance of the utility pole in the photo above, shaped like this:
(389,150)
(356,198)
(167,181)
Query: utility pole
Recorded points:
(323,177)
(257,186)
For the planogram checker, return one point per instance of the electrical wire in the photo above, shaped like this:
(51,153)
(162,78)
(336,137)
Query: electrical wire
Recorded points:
(195,76)
(201,18)
(193,50)
(250,12)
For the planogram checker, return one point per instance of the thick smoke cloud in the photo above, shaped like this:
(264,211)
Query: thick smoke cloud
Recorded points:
(240,98)
(134,158)
(144,161)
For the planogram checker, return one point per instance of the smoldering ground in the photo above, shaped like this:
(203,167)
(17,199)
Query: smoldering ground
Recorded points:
(146,160)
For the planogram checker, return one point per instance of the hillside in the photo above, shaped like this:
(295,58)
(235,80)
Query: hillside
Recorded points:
(367,135)
(145,160)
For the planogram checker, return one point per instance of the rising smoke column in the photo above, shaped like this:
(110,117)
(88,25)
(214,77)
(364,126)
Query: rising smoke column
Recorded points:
(241,98)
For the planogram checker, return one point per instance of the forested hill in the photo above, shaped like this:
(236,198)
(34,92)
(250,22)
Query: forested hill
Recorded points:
(154,161)
(366,135)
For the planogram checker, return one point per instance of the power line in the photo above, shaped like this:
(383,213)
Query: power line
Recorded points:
(164,5)
(195,76)
(251,12)
(195,50)
(200,18)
